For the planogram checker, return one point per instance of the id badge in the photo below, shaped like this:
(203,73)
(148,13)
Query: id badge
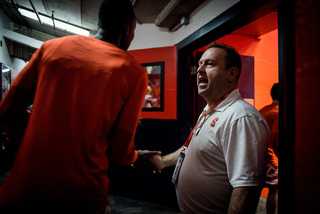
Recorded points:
(178,167)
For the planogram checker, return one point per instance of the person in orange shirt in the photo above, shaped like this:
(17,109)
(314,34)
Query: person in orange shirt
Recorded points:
(271,114)
(87,94)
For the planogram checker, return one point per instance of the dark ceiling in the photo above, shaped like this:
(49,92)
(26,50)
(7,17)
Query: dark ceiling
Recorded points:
(83,13)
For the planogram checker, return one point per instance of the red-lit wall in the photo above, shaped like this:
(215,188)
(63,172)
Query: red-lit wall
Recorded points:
(168,55)
(265,52)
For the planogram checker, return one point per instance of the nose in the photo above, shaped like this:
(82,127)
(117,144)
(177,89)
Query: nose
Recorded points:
(200,69)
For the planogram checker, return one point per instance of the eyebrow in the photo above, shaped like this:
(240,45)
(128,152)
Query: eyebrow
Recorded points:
(207,60)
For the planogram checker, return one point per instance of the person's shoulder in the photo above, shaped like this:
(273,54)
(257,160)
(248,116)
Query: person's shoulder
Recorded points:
(131,62)
(65,40)
(272,106)
(265,108)
(241,108)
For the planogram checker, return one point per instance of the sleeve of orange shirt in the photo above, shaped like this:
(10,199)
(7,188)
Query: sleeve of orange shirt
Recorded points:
(274,143)
(20,95)
(121,150)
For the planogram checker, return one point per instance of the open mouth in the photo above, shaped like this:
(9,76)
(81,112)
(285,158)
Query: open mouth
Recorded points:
(202,80)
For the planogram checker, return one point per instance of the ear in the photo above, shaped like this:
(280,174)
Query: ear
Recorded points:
(127,35)
(127,27)
(232,74)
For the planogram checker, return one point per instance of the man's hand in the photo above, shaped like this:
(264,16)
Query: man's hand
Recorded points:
(144,162)
(153,161)
(161,162)
(157,161)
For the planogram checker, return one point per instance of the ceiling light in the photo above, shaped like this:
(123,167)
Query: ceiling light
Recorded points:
(57,24)
(6,70)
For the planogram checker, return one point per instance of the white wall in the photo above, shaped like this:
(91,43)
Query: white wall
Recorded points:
(150,36)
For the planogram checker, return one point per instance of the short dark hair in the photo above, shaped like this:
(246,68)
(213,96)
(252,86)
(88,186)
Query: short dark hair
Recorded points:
(275,91)
(233,58)
(113,14)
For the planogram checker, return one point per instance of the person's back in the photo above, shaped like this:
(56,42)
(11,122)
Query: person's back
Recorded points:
(76,105)
(271,114)
(87,95)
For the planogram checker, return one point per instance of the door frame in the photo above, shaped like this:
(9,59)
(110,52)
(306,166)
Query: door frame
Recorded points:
(239,15)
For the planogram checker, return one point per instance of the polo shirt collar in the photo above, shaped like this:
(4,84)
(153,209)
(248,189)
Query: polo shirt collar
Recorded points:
(231,98)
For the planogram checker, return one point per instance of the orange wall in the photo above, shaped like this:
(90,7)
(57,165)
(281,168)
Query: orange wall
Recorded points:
(168,55)
(265,52)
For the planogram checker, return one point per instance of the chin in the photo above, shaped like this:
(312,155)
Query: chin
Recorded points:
(201,92)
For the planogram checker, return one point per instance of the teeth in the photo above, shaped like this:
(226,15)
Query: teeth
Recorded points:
(203,80)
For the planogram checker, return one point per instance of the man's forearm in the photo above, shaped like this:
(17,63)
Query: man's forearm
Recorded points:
(244,200)
(171,159)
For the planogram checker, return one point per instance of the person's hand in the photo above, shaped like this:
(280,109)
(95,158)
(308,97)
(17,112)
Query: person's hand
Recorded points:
(157,161)
(144,162)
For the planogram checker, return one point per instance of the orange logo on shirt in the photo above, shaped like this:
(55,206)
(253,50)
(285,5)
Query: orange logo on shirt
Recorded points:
(214,121)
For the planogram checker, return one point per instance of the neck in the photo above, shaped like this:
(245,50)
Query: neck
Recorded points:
(112,38)
(213,102)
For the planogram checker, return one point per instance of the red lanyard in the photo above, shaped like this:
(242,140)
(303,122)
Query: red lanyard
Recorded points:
(186,144)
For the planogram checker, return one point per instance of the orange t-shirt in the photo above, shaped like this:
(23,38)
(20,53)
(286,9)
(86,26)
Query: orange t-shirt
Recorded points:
(271,114)
(87,96)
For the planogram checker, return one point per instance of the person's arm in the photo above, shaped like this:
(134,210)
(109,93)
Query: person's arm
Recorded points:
(244,200)
(144,162)
(121,149)
(275,137)
(161,162)
(245,156)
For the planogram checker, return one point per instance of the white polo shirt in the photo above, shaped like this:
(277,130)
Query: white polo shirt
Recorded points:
(228,151)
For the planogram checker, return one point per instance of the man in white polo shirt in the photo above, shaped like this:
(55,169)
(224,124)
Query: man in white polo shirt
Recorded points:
(221,168)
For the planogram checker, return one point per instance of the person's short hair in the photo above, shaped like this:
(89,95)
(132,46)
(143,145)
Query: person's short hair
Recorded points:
(275,91)
(114,14)
(233,58)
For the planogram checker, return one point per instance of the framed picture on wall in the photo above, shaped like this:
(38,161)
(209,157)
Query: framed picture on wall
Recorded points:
(5,79)
(154,98)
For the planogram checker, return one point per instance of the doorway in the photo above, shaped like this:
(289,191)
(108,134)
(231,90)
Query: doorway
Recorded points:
(233,20)
(189,51)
